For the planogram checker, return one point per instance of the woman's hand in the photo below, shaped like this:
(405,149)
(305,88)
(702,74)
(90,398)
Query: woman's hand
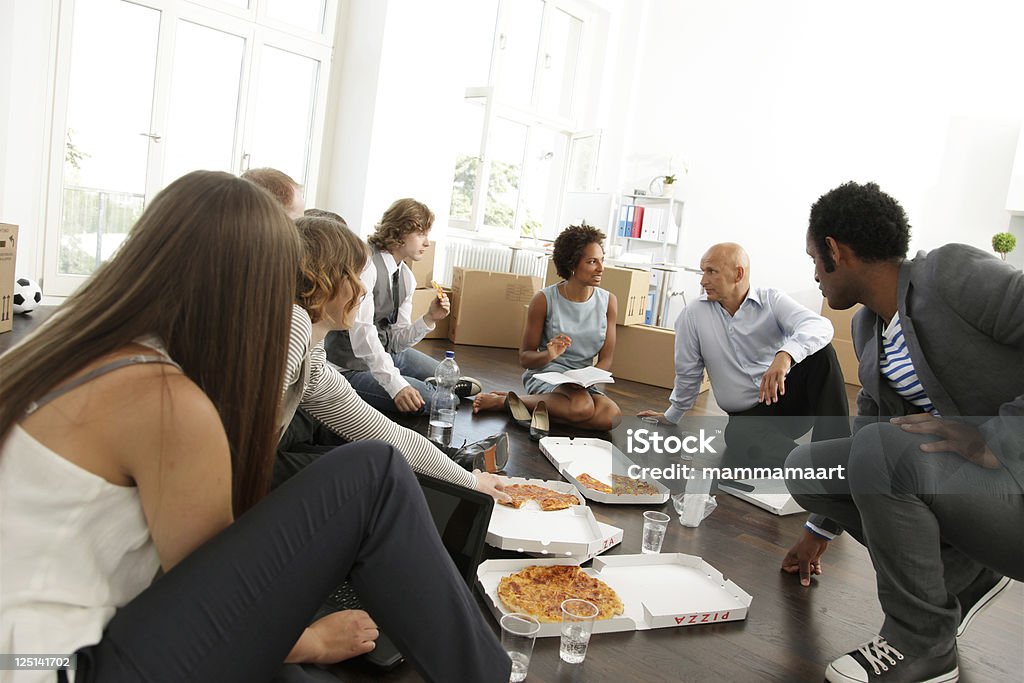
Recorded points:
(557,346)
(492,485)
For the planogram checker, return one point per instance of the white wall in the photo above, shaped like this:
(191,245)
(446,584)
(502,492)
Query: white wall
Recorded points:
(395,101)
(773,104)
(26,44)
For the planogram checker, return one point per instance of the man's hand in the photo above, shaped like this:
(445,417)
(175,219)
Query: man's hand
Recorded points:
(336,637)
(653,413)
(408,400)
(557,346)
(439,308)
(805,557)
(492,485)
(956,437)
(773,384)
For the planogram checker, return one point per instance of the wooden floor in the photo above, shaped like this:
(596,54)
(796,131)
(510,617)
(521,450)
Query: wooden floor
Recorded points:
(790,633)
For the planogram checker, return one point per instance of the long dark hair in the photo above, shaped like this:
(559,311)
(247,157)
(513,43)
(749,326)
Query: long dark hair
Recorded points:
(209,268)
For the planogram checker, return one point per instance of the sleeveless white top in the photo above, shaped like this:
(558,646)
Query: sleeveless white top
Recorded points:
(73,549)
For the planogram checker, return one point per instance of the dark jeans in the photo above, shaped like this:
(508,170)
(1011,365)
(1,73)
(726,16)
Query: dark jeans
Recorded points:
(815,399)
(233,609)
(931,521)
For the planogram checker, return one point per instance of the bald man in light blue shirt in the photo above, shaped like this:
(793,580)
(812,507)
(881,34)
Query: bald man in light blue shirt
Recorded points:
(769,359)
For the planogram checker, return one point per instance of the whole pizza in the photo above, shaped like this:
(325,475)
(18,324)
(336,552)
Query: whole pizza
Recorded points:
(540,591)
(548,499)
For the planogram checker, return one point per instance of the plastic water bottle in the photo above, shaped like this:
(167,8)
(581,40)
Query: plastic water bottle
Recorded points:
(442,416)
(444,402)
(447,372)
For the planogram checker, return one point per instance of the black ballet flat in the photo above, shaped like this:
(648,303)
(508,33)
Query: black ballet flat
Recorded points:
(520,413)
(541,423)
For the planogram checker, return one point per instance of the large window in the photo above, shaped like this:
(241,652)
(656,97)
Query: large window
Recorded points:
(148,90)
(517,126)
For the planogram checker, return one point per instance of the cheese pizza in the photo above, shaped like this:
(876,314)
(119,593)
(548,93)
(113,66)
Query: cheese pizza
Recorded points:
(540,591)
(548,499)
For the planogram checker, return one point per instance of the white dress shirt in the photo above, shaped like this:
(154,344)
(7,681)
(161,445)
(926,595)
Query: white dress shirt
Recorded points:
(737,349)
(404,332)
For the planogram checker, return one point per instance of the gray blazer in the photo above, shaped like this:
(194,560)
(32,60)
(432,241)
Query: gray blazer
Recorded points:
(962,313)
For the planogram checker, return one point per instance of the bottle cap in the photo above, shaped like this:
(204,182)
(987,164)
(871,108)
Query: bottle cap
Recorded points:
(449,354)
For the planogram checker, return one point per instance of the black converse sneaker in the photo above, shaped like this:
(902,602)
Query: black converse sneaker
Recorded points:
(980,594)
(464,388)
(878,661)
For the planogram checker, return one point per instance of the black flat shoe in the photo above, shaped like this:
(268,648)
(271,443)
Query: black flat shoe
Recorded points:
(520,413)
(541,424)
(486,455)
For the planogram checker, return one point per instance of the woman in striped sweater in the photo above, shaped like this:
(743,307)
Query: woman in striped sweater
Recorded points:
(329,292)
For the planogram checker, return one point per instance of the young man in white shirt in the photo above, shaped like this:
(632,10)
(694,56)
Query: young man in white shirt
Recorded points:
(769,359)
(376,354)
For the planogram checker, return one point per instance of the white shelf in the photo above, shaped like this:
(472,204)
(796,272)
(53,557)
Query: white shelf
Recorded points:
(642,239)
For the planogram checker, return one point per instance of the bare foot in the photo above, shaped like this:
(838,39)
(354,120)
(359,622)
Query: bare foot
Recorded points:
(492,400)
(343,635)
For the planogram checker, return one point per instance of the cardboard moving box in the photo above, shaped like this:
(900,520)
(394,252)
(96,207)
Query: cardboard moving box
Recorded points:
(421,299)
(842,342)
(8,254)
(489,309)
(424,268)
(646,354)
(630,286)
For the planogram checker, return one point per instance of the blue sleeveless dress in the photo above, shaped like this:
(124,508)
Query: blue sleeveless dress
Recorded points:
(585,322)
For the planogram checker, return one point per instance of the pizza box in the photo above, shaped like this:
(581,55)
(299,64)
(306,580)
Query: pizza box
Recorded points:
(600,459)
(657,591)
(572,532)
(767,494)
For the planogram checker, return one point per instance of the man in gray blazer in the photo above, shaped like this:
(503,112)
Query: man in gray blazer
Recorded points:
(935,486)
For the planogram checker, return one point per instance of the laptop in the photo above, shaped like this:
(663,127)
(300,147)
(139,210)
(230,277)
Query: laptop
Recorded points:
(462,517)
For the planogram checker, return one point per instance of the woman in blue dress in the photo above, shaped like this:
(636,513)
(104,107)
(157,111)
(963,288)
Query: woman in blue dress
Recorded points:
(568,324)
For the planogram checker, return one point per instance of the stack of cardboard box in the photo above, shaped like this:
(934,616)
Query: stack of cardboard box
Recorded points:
(842,342)
(8,251)
(425,292)
(643,353)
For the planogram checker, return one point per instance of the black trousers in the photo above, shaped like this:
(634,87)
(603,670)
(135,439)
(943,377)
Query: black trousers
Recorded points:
(815,399)
(302,443)
(233,609)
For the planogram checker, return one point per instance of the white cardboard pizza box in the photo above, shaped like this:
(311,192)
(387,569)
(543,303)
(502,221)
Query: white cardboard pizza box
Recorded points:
(600,459)
(573,532)
(767,494)
(657,591)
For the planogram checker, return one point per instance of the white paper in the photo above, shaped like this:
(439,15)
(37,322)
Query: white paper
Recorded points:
(585,377)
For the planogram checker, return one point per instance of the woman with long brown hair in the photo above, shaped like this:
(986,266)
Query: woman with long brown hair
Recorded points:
(139,421)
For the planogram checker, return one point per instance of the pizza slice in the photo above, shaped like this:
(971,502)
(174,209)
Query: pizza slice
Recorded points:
(592,483)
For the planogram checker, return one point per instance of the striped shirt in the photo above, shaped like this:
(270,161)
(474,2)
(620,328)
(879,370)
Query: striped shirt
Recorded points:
(328,397)
(897,368)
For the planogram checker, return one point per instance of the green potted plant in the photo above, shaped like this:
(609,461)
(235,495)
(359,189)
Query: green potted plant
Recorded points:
(1003,243)
(668,184)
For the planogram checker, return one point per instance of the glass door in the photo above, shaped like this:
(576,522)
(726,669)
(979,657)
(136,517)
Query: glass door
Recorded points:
(108,135)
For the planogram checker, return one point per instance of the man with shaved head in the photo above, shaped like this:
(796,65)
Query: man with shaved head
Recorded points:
(770,362)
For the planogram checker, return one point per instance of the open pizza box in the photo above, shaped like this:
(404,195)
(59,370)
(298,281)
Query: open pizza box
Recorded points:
(572,532)
(767,494)
(600,459)
(657,591)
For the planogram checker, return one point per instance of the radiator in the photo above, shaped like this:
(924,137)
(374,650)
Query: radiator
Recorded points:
(493,257)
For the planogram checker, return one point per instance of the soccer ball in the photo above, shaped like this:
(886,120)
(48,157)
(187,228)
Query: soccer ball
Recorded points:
(27,295)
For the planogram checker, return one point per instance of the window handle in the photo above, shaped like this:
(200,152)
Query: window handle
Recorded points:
(547,61)
(152,136)
(501,41)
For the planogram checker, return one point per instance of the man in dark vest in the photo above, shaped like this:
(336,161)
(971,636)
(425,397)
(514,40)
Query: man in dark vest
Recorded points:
(376,355)
(936,464)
